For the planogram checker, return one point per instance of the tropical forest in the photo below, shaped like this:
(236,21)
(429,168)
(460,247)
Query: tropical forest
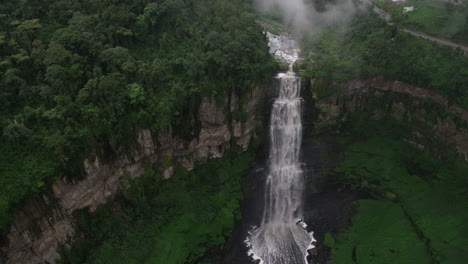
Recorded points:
(233,131)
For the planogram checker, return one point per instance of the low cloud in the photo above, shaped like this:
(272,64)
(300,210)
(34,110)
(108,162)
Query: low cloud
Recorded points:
(304,18)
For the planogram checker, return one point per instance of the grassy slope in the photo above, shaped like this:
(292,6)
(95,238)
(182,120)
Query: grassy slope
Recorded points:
(421,216)
(431,193)
(380,234)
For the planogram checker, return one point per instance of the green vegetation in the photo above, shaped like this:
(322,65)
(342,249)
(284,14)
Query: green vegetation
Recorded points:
(434,17)
(371,47)
(23,176)
(272,25)
(380,233)
(432,194)
(421,212)
(80,75)
(173,221)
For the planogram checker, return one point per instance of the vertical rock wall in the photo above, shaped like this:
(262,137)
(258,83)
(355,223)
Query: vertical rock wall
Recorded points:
(437,122)
(46,223)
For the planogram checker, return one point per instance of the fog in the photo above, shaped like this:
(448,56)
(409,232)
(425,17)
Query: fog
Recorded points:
(303,17)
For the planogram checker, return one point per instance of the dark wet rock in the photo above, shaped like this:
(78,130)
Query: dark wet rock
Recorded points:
(328,208)
(312,251)
(390,195)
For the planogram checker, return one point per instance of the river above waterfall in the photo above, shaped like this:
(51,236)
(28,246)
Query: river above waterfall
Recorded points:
(283,47)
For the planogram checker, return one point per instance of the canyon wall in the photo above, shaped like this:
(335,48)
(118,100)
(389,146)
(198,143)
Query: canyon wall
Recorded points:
(435,122)
(45,224)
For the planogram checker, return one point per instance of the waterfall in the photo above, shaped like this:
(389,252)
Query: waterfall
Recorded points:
(281,237)
(283,184)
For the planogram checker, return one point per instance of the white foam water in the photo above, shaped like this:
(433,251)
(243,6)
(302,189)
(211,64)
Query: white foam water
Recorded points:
(282,237)
(283,47)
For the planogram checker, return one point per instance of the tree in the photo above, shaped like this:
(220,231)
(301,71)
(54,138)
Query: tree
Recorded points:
(114,58)
(16,131)
(57,54)
(26,32)
(136,94)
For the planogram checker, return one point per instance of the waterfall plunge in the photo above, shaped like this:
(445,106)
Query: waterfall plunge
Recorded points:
(281,238)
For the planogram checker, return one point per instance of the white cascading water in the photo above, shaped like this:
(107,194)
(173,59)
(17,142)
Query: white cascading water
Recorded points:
(281,237)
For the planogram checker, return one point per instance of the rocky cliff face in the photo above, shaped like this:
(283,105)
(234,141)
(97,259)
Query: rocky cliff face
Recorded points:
(437,122)
(46,223)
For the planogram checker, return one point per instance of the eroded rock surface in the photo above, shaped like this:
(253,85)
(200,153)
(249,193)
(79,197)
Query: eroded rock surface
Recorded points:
(447,129)
(46,223)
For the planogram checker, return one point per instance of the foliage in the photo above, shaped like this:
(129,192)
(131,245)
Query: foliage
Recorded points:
(173,221)
(371,47)
(380,233)
(77,75)
(22,176)
(424,223)
(431,193)
(434,17)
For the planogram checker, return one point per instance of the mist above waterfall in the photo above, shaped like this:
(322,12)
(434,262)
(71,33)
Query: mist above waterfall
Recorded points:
(303,16)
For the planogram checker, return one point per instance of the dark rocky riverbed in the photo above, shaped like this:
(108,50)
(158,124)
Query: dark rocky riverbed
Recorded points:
(328,206)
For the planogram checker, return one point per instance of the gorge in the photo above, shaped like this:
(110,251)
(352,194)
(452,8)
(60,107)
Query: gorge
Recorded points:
(212,132)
